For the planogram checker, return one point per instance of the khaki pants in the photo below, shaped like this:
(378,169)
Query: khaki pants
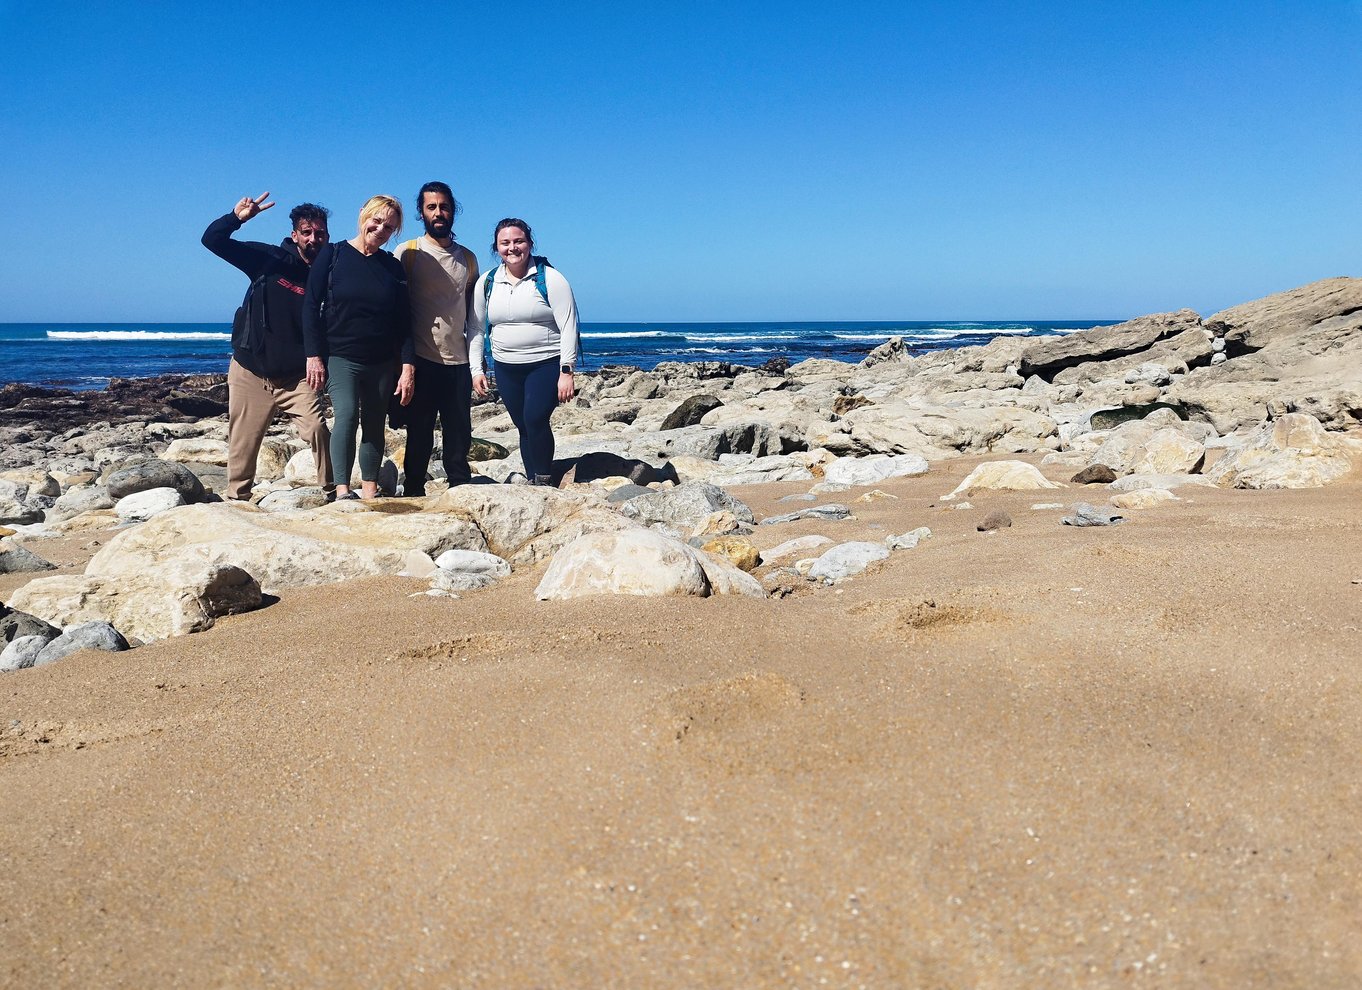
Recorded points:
(252,402)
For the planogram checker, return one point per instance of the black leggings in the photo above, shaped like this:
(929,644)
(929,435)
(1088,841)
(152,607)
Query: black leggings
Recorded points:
(359,397)
(530,392)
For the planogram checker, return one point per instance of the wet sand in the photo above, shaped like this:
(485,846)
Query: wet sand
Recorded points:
(1041,757)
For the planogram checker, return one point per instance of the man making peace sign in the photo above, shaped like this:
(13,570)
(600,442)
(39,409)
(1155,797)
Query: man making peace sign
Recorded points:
(268,369)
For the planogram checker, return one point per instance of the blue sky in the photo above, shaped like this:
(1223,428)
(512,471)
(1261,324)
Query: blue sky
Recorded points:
(701,161)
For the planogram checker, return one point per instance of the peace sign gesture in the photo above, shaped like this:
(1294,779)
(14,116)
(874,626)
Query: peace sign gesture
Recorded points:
(247,207)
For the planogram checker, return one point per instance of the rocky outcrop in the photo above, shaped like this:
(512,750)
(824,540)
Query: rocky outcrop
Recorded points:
(1049,356)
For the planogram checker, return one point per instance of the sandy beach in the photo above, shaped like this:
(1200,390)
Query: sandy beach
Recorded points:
(1042,756)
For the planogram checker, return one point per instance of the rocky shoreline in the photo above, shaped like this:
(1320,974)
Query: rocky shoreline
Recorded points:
(1262,395)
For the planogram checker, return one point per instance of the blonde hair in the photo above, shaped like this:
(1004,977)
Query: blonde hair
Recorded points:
(376,205)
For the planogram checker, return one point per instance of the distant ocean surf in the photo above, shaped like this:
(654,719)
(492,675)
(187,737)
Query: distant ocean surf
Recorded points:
(87,355)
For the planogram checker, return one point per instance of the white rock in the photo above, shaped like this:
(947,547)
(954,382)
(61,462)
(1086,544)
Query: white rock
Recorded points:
(845,560)
(800,544)
(141,506)
(874,469)
(473,562)
(1168,451)
(21,652)
(1004,475)
(909,540)
(1144,498)
(636,562)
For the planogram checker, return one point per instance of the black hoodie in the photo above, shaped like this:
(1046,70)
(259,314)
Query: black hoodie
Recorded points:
(269,341)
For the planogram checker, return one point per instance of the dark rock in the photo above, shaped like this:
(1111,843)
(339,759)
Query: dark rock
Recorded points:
(626,492)
(997,519)
(48,411)
(1109,419)
(195,406)
(486,450)
(602,464)
(691,411)
(1094,474)
(14,624)
(155,474)
(16,559)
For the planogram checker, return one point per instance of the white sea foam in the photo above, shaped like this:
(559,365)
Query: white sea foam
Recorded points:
(132,335)
(640,333)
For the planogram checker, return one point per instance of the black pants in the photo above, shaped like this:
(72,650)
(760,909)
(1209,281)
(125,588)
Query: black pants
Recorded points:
(530,392)
(444,390)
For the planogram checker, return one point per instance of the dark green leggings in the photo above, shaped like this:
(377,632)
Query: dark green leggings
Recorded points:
(359,396)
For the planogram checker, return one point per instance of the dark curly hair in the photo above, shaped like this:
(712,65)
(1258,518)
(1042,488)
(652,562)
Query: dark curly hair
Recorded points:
(310,212)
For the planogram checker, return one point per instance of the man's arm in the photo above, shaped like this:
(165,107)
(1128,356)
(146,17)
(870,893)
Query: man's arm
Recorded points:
(249,256)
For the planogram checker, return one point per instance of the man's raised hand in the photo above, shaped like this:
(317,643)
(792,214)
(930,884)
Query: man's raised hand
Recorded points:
(247,207)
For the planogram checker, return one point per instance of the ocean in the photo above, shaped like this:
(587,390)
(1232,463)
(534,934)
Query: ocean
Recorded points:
(86,355)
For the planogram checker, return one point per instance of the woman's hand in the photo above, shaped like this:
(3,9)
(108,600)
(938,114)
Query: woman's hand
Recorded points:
(406,384)
(480,386)
(566,386)
(316,374)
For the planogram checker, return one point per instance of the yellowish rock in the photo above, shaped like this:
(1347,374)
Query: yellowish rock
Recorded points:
(875,494)
(738,550)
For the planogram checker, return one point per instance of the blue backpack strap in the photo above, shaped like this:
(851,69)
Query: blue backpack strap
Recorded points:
(541,281)
(487,320)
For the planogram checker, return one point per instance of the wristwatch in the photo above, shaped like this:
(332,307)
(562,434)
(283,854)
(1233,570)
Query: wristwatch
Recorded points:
(565,369)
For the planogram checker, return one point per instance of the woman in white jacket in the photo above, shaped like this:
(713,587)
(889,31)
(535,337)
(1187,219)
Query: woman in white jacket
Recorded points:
(528,309)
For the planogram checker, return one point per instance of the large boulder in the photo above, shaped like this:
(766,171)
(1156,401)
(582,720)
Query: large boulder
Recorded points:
(286,549)
(176,598)
(1293,451)
(639,562)
(524,524)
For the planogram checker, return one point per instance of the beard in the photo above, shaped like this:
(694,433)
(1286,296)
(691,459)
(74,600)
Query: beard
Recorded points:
(309,252)
(439,228)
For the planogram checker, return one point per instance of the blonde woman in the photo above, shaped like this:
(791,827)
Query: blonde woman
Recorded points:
(356,331)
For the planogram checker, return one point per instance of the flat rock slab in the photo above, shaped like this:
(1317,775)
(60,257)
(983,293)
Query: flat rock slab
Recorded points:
(832,512)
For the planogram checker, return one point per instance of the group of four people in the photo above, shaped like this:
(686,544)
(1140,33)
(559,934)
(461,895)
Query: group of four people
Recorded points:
(367,325)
